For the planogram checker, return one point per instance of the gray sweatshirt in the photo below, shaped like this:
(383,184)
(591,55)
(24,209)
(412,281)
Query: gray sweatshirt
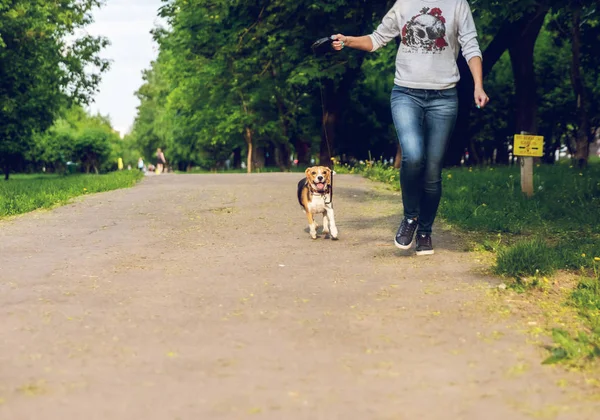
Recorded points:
(432,32)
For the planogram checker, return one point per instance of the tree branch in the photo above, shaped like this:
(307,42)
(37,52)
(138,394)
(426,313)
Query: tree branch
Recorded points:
(248,29)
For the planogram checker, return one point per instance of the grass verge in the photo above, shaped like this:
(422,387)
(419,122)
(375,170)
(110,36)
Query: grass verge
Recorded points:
(25,193)
(557,229)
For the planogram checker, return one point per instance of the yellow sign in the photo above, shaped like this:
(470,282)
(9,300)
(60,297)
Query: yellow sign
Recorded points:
(526,145)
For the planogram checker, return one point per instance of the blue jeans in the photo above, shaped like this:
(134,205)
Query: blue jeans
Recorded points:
(424,121)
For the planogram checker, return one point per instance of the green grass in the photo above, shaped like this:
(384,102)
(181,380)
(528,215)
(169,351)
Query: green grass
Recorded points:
(580,347)
(564,213)
(557,229)
(526,258)
(25,193)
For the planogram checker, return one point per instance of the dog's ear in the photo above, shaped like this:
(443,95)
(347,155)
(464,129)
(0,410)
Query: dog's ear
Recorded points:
(327,174)
(307,172)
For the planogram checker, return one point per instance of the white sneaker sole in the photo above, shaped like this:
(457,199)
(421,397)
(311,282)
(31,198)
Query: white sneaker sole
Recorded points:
(404,247)
(428,252)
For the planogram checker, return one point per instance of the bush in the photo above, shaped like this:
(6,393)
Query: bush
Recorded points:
(92,148)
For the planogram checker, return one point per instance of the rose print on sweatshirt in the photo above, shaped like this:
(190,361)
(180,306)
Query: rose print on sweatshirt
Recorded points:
(426,31)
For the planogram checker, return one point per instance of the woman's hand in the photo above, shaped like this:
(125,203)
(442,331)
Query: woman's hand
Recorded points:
(339,41)
(362,43)
(481,98)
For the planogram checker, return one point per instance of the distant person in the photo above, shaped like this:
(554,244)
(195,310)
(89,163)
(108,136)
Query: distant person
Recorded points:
(120,164)
(160,161)
(140,164)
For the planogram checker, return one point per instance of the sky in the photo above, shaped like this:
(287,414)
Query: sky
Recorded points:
(127,24)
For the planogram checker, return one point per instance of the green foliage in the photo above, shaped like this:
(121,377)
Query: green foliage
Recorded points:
(584,346)
(77,137)
(41,71)
(230,73)
(587,297)
(526,258)
(234,74)
(375,170)
(26,193)
(573,349)
(565,207)
(92,148)
(490,199)
(54,148)
(124,148)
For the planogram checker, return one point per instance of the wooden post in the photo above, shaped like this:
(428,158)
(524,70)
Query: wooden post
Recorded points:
(526,173)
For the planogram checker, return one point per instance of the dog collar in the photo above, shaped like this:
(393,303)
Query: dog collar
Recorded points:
(324,192)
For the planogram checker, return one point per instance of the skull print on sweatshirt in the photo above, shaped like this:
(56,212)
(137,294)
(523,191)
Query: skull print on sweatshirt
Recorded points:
(426,31)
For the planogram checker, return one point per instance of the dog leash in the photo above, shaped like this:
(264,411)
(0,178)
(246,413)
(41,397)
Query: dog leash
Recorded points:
(319,44)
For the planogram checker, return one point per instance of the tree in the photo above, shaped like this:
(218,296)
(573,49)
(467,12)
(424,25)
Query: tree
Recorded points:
(575,30)
(236,77)
(248,66)
(53,148)
(92,148)
(505,26)
(40,71)
(584,137)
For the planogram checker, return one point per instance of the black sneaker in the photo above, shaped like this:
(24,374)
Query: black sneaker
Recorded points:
(406,233)
(424,246)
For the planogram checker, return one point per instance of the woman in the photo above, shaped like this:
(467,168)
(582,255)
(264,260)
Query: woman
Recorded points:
(424,99)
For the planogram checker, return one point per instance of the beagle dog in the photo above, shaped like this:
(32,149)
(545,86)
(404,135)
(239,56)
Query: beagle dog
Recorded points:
(314,196)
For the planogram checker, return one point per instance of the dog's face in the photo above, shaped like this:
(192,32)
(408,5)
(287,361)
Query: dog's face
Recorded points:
(318,177)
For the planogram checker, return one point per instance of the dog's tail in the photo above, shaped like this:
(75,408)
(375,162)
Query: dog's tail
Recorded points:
(301,186)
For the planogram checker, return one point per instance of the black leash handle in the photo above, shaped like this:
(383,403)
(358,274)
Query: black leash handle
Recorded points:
(323,44)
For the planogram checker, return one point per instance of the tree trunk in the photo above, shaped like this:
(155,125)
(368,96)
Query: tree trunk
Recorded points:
(282,156)
(6,172)
(248,138)
(302,152)
(460,139)
(237,157)
(521,56)
(582,141)
(510,33)
(282,151)
(259,158)
(333,98)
